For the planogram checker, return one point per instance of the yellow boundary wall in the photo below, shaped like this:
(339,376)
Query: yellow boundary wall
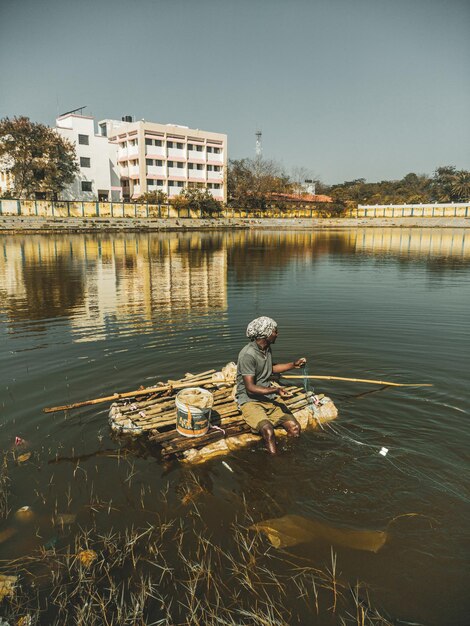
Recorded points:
(77,208)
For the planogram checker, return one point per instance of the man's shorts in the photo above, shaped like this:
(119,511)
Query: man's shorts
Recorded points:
(255,413)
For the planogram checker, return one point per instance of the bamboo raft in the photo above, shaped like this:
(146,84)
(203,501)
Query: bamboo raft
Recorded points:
(154,415)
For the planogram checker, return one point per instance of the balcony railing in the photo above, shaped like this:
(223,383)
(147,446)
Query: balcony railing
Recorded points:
(179,172)
(158,151)
(199,174)
(195,155)
(156,170)
(175,152)
(219,158)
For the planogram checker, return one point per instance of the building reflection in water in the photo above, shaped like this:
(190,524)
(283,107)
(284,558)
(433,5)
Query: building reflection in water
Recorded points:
(415,242)
(132,282)
(98,281)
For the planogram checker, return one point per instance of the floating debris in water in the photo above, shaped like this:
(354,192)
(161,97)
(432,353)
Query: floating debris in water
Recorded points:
(7,586)
(227,466)
(24,514)
(87,557)
(24,457)
(383,451)
(291,530)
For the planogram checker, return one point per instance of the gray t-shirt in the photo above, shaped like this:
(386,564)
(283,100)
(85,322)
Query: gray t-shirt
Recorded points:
(252,361)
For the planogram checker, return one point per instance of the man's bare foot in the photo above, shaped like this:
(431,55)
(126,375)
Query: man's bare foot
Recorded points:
(267,432)
(292,427)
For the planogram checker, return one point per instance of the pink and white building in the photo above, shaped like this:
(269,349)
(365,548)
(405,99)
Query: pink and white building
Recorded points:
(126,159)
(167,157)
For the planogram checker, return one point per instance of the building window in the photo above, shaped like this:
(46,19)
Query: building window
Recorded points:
(179,146)
(216,186)
(217,168)
(149,161)
(180,183)
(149,182)
(171,183)
(83,140)
(190,166)
(85,162)
(170,163)
(199,148)
(158,142)
(170,144)
(217,150)
(199,166)
(159,183)
(209,149)
(133,142)
(190,146)
(210,168)
(159,162)
(180,165)
(86,185)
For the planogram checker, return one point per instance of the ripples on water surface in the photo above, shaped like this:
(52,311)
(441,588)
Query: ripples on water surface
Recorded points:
(84,316)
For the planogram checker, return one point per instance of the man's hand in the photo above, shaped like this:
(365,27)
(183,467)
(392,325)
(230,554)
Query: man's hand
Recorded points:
(300,362)
(284,393)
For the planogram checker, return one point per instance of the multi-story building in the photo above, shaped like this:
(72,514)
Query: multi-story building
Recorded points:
(167,157)
(98,176)
(126,159)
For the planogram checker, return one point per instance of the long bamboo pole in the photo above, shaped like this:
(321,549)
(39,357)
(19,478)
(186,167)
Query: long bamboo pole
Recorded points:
(128,394)
(149,390)
(360,380)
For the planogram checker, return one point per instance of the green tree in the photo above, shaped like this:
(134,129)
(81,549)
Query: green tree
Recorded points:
(461,186)
(251,182)
(38,159)
(153,197)
(444,180)
(199,200)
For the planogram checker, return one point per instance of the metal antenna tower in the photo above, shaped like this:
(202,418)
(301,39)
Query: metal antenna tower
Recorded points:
(259,147)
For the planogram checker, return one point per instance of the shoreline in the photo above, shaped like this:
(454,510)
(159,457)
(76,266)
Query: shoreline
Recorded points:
(33,224)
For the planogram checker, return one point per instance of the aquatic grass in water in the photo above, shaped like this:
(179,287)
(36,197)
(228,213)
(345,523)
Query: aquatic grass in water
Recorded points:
(172,573)
(4,487)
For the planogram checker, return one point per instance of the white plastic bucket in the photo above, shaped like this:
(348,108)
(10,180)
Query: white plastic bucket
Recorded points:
(190,420)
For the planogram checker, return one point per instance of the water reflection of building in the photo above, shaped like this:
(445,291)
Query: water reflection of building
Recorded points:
(422,242)
(136,281)
(144,281)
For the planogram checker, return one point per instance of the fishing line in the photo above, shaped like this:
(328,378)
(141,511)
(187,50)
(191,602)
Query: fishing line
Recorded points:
(343,433)
(310,393)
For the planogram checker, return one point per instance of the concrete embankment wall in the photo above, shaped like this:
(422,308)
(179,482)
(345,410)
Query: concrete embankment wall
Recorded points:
(11,223)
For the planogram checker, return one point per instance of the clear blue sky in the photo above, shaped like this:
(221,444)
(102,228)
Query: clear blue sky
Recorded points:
(345,88)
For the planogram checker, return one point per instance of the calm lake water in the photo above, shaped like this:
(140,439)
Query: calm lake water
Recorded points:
(84,316)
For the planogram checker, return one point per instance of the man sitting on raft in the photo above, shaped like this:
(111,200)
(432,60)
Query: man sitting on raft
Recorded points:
(255,396)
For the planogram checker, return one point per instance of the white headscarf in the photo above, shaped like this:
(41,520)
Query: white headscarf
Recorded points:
(261,328)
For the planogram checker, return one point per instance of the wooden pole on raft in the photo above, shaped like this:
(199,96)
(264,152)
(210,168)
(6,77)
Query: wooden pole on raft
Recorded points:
(130,394)
(360,380)
(200,381)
